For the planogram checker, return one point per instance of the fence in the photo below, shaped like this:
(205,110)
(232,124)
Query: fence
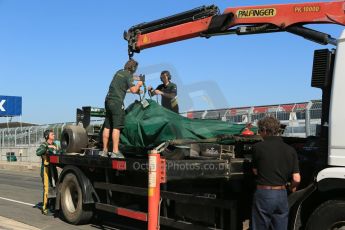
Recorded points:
(28,136)
(301,119)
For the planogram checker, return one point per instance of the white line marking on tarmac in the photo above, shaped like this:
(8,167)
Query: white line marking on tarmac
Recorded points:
(17,201)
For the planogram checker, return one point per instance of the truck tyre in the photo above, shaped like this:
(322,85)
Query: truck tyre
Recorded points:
(74,139)
(329,215)
(73,209)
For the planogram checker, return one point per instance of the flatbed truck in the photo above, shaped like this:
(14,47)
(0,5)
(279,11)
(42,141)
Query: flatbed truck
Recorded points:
(215,193)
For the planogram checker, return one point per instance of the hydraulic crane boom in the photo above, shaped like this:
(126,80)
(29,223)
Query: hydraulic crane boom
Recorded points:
(206,21)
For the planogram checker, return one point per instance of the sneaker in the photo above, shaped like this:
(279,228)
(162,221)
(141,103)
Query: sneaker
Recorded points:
(47,212)
(103,154)
(116,155)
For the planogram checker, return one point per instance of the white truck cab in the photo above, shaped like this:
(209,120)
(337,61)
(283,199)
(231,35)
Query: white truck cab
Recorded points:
(321,205)
(336,147)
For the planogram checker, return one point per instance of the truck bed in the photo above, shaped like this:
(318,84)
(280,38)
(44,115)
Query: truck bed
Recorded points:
(175,169)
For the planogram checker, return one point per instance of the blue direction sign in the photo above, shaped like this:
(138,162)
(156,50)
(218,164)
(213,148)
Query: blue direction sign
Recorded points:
(10,106)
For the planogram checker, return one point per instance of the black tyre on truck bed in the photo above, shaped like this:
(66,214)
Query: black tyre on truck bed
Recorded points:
(74,139)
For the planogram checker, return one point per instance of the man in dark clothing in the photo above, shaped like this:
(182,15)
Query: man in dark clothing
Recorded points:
(114,107)
(168,91)
(275,164)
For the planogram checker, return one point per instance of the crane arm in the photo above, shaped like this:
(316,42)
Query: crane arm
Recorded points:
(207,21)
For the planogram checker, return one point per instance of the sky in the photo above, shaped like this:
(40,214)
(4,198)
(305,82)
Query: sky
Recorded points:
(61,55)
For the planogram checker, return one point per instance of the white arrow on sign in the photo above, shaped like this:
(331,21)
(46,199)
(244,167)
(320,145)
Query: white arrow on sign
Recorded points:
(2,102)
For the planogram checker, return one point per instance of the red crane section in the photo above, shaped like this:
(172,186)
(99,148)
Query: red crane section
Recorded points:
(206,21)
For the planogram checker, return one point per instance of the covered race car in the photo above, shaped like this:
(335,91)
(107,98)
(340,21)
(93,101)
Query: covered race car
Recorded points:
(150,126)
(146,128)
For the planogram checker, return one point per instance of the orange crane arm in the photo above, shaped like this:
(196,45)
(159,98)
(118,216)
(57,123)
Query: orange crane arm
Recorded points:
(206,21)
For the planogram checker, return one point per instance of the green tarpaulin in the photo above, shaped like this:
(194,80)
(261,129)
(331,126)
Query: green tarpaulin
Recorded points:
(154,124)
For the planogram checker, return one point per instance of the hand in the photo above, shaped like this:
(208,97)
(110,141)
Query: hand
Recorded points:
(52,146)
(290,188)
(149,88)
(158,92)
(140,83)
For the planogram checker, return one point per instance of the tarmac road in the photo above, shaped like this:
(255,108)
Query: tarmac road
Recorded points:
(21,191)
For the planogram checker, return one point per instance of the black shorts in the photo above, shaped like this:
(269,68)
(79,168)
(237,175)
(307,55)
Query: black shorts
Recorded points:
(114,115)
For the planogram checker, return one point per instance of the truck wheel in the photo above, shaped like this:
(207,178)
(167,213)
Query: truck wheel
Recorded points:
(73,209)
(74,139)
(328,216)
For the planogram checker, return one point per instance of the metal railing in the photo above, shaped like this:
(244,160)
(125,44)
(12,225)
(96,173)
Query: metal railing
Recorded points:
(301,122)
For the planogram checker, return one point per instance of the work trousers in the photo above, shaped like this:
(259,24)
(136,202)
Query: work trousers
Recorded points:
(49,173)
(270,210)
